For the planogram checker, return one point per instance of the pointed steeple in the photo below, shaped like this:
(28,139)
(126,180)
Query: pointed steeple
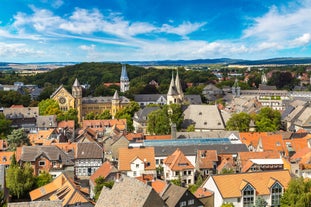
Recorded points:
(178,85)
(124,76)
(172,89)
(116,96)
(76,83)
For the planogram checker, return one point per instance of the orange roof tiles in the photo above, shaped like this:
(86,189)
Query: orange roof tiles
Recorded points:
(202,192)
(178,161)
(61,188)
(229,184)
(42,137)
(251,138)
(127,155)
(135,136)
(245,156)
(158,137)
(103,171)
(159,185)
(5,157)
(66,146)
(206,158)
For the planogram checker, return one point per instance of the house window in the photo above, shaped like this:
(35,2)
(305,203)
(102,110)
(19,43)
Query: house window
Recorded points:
(183,203)
(134,173)
(177,173)
(41,163)
(276,193)
(248,197)
(137,165)
(191,202)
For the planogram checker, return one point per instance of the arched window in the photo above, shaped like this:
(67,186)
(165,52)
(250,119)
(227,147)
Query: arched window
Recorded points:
(248,196)
(276,193)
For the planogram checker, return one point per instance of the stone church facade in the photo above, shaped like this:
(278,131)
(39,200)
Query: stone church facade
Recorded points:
(85,105)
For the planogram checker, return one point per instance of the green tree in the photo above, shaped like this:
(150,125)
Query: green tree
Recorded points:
(227,205)
(260,202)
(158,122)
(268,120)
(71,114)
(2,198)
(20,180)
(17,138)
(5,126)
(43,179)
(49,107)
(298,193)
(190,128)
(104,115)
(127,113)
(100,183)
(174,113)
(239,122)
(227,171)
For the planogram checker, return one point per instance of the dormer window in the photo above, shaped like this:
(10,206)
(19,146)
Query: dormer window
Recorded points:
(248,196)
(200,113)
(276,193)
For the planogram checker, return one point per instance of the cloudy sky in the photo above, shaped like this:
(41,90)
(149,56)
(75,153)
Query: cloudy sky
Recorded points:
(123,30)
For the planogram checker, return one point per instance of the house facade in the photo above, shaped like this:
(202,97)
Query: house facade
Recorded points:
(244,188)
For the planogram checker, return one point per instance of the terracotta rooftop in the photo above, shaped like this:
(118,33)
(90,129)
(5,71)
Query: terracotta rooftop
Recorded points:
(206,158)
(104,170)
(230,185)
(245,156)
(202,192)
(128,154)
(178,161)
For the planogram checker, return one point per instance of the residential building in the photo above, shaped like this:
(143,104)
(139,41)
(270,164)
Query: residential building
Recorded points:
(206,162)
(140,119)
(88,158)
(176,196)
(137,161)
(177,167)
(46,158)
(243,189)
(63,189)
(129,192)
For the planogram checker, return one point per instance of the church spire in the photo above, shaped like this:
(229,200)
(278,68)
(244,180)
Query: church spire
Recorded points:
(178,86)
(124,80)
(172,89)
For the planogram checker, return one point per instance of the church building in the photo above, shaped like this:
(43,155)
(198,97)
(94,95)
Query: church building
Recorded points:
(97,105)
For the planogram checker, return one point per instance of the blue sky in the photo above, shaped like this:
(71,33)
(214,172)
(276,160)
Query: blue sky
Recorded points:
(123,30)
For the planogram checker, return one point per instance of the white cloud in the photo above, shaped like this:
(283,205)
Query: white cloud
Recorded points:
(183,29)
(57,3)
(88,47)
(302,40)
(16,50)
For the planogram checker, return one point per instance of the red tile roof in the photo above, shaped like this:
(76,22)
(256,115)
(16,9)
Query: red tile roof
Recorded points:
(104,170)
(178,161)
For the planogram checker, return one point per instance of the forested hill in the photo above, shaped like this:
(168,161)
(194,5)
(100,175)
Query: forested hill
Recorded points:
(95,74)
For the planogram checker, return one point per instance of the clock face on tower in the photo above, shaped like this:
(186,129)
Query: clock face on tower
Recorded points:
(62,100)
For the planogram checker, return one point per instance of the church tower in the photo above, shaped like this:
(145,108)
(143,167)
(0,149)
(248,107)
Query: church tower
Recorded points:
(179,88)
(236,89)
(115,104)
(124,80)
(173,97)
(77,94)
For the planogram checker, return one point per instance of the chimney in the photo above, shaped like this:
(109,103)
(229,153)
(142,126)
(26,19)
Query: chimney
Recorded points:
(173,131)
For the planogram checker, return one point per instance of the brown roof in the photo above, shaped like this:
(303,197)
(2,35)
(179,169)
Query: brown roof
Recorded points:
(178,161)
(133,136)
(245,156)
(159,185)
(206,158)
(251,138)
(65,124)
(104,170)
(101,124)
(89,150)
(229,185)
(129,154)
(61,188)
(158,137)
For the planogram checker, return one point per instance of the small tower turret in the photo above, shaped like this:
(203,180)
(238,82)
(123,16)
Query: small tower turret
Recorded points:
(77,94)
(115,104)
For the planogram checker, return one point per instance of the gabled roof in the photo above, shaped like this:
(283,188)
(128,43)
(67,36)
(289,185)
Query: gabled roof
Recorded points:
(61,188)
(203,117)
(52,153)
(65,124)
(206,158)
(229,184)
(149,97)
(251,138)
(104,170)
(5,157)
(129,192)
(42,137)
(89,150)
(245,156)
(61,87)
(48,121)
(128,154)
(142,114)
(178,161)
